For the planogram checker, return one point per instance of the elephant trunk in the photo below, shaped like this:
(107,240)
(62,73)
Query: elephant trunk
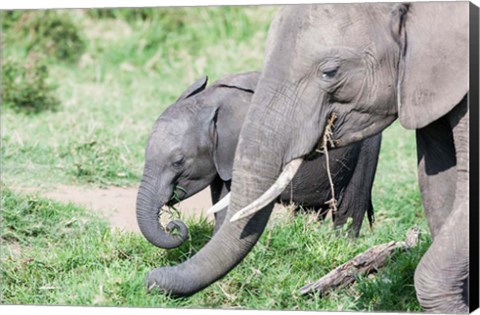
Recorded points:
(234,240)
(151,197)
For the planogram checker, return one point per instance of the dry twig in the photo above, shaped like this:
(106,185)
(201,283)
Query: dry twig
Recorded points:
(328,139)
(369,261)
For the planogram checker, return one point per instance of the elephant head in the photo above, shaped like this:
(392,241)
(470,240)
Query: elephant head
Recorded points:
(361,66)
(191,143)
(368,64)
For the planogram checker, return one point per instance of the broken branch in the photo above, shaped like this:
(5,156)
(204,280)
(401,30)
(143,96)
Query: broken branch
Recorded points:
(369,261)
(328,138)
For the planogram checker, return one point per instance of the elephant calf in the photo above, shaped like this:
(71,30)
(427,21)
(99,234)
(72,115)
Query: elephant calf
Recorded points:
(192,145)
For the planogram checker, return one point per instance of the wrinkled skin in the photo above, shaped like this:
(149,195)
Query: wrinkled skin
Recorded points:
(201,130)
(370,64)
(188,150)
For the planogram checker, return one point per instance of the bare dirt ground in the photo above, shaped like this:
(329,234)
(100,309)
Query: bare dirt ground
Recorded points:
(117,204)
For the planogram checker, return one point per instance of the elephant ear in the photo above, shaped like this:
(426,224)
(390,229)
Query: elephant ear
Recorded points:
(238,90)
(244,81)
(227,130)
(195,88)
(433,74)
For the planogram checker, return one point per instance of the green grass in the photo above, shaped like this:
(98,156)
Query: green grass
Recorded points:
(134,65)
(128,74)
(55,253)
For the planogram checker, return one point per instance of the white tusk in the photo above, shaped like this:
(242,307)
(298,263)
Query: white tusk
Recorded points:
(273,192)
(220,205)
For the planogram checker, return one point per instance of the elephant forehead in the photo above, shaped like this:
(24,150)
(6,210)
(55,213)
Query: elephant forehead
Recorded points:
(171,134)
(347,25)
(167,148)
(325,30)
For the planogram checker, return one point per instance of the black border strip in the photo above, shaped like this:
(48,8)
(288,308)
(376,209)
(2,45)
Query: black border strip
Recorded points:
(474,162)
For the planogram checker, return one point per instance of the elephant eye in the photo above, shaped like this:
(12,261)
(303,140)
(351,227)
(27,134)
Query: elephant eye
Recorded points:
(328,74)
(178,163)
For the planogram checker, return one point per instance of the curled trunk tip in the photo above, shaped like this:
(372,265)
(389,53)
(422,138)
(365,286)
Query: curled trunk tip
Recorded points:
(148,210)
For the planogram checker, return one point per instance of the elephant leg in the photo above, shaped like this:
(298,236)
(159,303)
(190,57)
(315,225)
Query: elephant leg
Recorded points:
(356,200)
(218,190)
(441,277)
(436,171)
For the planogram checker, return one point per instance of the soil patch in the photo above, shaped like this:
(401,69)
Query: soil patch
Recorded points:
(117,204)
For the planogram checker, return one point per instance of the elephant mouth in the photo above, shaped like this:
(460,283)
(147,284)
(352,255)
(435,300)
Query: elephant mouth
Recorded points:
(325,142)
(327,139)
(179,193)
(350,126)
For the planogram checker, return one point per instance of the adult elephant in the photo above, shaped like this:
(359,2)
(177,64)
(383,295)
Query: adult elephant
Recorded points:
(368,64)
(192,145)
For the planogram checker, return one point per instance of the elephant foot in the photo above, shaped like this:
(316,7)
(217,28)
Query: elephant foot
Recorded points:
(441,276)
(436,297)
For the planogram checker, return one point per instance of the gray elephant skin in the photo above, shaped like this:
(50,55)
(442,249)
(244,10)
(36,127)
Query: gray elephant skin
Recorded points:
(369,64)
(192,145)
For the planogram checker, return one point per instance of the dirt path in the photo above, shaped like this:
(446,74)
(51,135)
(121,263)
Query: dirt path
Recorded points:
(117,204)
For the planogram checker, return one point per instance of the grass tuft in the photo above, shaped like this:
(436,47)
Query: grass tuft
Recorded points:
(48,32)
(27,86)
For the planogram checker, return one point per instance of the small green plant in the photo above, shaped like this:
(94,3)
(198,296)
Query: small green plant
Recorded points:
(172,210)
(49,32)
(26,86)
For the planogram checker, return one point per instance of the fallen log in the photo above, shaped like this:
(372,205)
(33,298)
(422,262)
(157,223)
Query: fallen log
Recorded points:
(369,261)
